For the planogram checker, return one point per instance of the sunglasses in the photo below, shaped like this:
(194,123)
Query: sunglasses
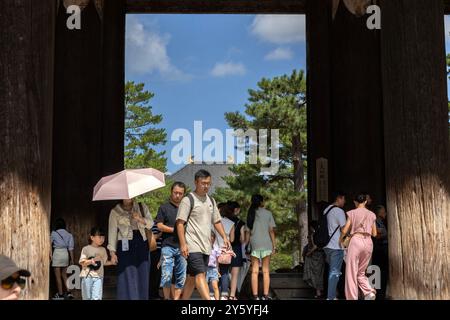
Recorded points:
(9,282)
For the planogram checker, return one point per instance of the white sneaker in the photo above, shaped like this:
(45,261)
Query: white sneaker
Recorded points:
(370,296)
(224,298)
(58,296)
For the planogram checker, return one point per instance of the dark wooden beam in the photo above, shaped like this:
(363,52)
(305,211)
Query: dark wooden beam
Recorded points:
(318,38)
(216,6)
(447,6)
(78,122)
(356,123)
(223,6)
(89,115)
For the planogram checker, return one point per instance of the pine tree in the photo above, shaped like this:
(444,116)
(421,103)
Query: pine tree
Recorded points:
(141,137)
(278,103)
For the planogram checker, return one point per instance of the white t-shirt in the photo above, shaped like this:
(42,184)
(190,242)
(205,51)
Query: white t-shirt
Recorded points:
(227,225)
(336,218)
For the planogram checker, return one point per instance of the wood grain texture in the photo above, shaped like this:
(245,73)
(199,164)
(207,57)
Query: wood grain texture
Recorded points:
(26,100)
(416,148)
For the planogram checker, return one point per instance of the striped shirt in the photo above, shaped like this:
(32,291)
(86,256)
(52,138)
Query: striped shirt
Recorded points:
(155,230)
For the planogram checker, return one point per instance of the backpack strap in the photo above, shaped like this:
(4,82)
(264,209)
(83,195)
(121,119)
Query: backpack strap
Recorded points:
(192,202)
(59,234)
(328,211)
(325,214)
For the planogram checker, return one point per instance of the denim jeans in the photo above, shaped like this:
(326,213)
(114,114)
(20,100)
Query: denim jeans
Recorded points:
(334,258)
(224,282)
(91,288)
(172,262)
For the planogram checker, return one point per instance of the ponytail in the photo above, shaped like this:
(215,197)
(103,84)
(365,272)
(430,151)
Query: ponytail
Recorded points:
(257,200)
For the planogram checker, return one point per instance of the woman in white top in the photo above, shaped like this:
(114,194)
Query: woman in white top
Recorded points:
(262,241)
(128,244)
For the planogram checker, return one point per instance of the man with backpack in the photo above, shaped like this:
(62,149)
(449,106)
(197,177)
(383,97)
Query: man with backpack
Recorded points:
(196,213)
(327,237)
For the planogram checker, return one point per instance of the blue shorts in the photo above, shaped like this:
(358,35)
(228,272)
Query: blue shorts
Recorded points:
(172,264)
(212,274)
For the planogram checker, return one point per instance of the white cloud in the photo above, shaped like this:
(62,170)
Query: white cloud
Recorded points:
(279,29)
(147,51)
(222,69)
(279,54)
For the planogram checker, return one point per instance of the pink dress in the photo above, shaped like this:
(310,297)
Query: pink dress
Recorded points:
(359,253)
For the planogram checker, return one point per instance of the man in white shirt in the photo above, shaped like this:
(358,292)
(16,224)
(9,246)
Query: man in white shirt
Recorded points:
(334,253)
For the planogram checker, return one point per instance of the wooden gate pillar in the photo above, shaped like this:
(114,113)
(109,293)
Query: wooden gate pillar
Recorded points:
(26,106)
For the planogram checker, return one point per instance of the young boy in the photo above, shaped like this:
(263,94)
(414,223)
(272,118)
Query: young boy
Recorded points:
(212,275)
(93,258)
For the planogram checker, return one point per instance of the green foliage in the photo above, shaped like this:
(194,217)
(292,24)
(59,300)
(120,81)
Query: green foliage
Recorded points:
(281,261)
(141,136)
(278,103)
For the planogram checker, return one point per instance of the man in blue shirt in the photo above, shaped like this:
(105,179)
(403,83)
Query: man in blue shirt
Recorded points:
(334,253)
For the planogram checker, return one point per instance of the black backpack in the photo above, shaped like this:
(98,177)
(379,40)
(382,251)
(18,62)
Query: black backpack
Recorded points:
(321,237)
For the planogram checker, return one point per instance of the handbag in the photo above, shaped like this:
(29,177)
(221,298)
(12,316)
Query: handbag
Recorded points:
(152,245)
(346,240)
(225,256)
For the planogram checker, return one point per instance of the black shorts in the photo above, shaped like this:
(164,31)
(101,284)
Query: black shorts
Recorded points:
(237,261)
(197,263)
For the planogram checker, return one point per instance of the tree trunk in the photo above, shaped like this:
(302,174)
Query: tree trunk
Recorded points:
(26,106)
(416,148)
(300,207)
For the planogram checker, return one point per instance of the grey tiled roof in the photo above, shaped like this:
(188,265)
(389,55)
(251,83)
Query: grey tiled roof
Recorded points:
(218,171)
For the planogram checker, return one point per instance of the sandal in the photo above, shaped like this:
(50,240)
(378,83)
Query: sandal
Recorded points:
(232,298)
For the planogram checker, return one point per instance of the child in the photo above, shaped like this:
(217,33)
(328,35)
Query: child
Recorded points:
(93,258)
(212,275)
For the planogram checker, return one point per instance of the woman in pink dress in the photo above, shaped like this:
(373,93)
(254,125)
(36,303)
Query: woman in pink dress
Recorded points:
(361,224)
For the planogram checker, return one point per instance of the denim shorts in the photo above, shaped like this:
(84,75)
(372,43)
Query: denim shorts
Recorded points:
(212,274)
(173,264)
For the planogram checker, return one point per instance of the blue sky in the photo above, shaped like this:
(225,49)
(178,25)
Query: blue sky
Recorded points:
(201,66)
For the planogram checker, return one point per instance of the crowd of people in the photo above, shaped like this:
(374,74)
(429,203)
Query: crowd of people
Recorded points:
(200,244)
(356,238)
(196,243)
